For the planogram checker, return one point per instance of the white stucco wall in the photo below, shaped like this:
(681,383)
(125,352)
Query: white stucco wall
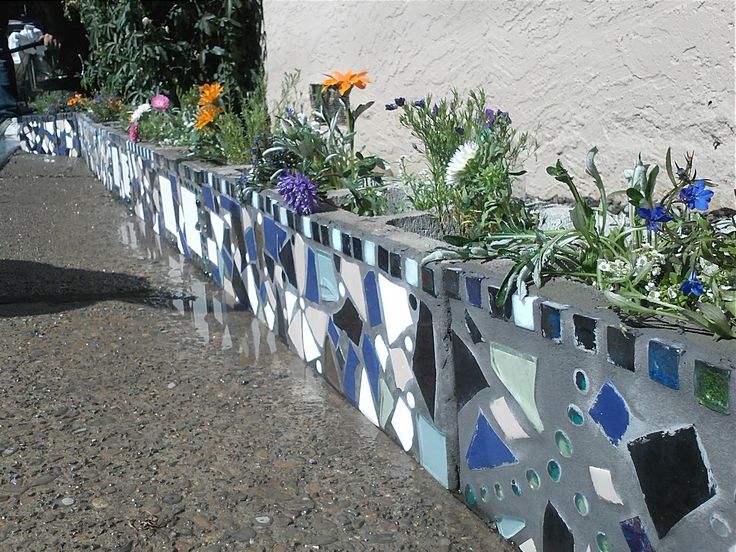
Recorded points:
(627,76)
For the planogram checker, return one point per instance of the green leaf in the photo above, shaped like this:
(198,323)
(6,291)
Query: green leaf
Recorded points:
(635,196)
(651,183)
(358,111)
(668,165)
(456,240)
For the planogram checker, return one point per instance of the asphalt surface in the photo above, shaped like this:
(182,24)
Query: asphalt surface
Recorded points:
(138,414)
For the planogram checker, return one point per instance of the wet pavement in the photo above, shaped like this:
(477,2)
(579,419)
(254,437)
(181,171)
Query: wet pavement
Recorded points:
(139,413)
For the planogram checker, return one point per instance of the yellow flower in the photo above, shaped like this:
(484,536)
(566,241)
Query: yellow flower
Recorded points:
(74,100)
(207,114)
(208,93)
(344,82)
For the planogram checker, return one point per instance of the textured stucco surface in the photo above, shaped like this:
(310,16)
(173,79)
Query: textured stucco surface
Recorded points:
(627,76)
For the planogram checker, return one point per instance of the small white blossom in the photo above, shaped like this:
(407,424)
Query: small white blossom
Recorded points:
(139,111)
(459,161)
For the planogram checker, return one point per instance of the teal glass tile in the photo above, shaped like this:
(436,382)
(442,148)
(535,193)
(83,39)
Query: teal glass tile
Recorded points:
(432,450)
(712,386)
(328,289)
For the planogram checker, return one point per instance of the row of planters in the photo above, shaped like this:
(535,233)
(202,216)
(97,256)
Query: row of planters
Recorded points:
(569,424)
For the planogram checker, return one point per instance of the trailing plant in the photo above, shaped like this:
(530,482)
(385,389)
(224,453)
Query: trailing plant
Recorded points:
(55,101)
(659,258)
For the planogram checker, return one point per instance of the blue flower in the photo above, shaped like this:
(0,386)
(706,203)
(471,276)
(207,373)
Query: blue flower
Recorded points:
(391,106)
(503,115)
(692,286)
(420,103)
(460,130)
(435,110)
(653,216)
(289,111)
(400,101)
(696,196)
(298,191)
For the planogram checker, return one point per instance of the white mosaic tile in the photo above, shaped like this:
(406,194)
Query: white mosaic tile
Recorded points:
(317,320)
(381,350)
(291,300)
(189,206)
(350,273)
(401,369)
(307,227)
(523,311)
(311,349)
(603,485)
(167,201)
(369,252)
(270,316)
(295,333)
(506,420)
(335,239)
(395,300)
(300,263)
(365,400)
(411,272)
(528,546)
(403,424)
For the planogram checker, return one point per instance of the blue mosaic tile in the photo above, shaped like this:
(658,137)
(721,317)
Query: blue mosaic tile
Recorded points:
(635,535)
(333,333)
(585,331)
(551,322)
(472,289)
(486,449)
(664,364)
(250,244)
(371,298)
(348,382)
(610,412)
(273,237)
(209,198)
(371,363)
(312,288)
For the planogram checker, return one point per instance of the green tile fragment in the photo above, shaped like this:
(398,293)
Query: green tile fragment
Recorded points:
(432,450)
(387,404)
(712,386)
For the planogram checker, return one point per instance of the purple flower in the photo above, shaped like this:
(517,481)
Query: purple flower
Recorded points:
(503,115)
(420,103)
(460,130)
(696,196)
(160,102)
(298,191)
(692,286)
(391,106)
(653,216)
(400,101)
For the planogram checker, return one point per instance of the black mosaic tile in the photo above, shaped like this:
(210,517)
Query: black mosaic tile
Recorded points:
(269,203)
(315,231)
(262,203)
(469,379)
(324,234)
(331,369)
(357,248)
(556,535)
(451,281)
(672,475)
(281,323)
(383,258)
(504,311)
(423,362)
(337,261)
(346,244)
(585,329)
(286,256)
(413,301)
(472,328)
(394,265)
(428,281)
(621,346)
(348,320)
(472,290)
(290,219)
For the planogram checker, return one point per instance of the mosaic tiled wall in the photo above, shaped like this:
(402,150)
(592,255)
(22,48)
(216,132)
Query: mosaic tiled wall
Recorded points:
(569,433)
(353,309)
(49,135)
(576,435)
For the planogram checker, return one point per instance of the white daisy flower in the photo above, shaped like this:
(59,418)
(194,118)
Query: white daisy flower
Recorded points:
(459,161)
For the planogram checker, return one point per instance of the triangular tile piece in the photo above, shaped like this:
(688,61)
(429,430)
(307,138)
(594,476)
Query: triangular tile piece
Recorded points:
(370,361)
(311,291)
(506,420)
(403,424)
(387,403)
(610,412)
(311,348)
(509,526)
(635,535)
(486,449)
(366,403)
(672,474)
(472,328)
(425,370)
(469,380)
(603,485)
(330,370)
(350,273)
(395,300)
(295,333)
(556,535)
(347,319)
(401,369)
(518,373)
(286,256)
(348,382)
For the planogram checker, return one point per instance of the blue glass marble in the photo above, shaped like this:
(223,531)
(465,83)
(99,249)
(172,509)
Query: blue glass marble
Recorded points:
(472,288)
(312,288)
(610,412)
(371,298)
(348,381)
(664,364)
(371,363)
(486,449)
(635,535)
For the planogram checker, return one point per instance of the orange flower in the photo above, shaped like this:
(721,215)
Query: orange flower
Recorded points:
(208,93)
(344,82)
(74,100)
(207,114)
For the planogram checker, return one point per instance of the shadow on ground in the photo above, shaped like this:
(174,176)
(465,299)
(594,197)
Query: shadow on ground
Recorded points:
(29,288)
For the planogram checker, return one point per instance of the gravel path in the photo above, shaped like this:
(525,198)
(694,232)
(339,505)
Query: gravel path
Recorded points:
(134,418)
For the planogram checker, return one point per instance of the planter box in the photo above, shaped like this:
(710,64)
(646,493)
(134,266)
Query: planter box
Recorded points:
(568,432)
(50,135)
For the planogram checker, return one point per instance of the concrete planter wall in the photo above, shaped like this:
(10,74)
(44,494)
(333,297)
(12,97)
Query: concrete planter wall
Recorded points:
(568,432)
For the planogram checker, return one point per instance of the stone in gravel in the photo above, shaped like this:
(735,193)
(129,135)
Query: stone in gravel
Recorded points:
(263,520)
(321,539)
(202,522)
(44,479)
(172,498)
(67,501)
(171,385)
(243,534)
(151,508)
(8,451)
(443,545)
(99,503)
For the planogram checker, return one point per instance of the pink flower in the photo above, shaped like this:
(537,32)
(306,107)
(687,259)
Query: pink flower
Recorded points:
(133,133)
(160,102)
